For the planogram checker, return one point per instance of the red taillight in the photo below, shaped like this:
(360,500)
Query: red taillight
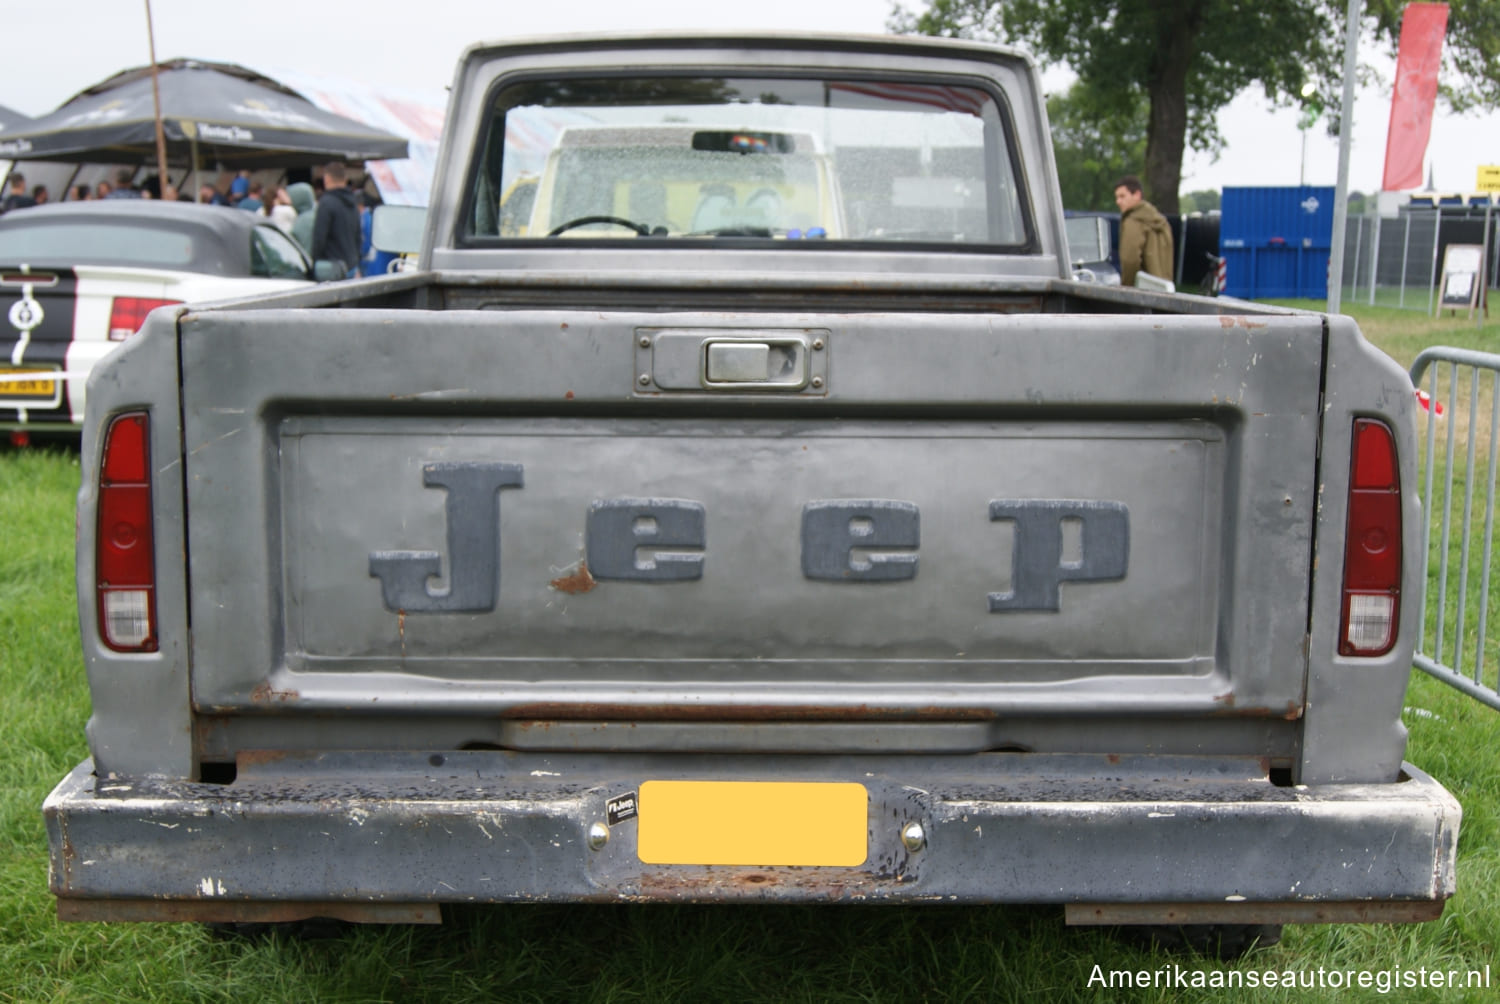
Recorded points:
(128,313)
(124,557)
(1372,544)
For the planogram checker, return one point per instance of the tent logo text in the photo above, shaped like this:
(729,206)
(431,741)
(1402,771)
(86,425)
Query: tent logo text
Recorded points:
(233,134)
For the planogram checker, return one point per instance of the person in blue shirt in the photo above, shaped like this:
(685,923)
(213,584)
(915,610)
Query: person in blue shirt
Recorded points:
(372,261)
(123,189)
(252,200)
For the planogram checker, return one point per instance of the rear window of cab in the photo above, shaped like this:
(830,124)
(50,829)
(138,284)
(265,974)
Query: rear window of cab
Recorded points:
(761,159)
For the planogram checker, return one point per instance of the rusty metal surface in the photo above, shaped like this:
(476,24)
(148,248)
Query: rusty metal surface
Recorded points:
(584,710)
(500,826)
(224,738)
(1282,912)
(579,581)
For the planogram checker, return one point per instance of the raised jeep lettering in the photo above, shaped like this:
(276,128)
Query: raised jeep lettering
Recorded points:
(666,540)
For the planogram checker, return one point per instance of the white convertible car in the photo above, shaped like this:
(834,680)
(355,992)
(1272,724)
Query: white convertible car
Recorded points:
(78,278)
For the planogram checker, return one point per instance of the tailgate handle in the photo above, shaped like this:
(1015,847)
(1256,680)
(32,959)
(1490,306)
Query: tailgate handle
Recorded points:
(737,362)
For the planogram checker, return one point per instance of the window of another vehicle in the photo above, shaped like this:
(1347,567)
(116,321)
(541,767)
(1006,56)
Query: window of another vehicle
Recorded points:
(274,255)
(99,242)
(781,158)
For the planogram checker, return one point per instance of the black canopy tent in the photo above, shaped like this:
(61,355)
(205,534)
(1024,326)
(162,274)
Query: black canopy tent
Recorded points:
(214,114)
(12,121)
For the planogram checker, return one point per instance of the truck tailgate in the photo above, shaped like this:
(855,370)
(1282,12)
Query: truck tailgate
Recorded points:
(541,515)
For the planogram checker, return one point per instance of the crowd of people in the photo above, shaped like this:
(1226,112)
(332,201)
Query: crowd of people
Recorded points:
(329,217)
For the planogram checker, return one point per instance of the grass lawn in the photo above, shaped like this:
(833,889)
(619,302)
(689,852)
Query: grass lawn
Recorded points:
(637,952)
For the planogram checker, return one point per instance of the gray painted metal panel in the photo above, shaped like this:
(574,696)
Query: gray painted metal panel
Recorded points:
(142,723)
(1204,429)
(492,827)
(694,730)
(1353,729)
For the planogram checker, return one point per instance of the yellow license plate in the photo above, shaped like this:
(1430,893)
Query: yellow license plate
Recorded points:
(36,384)
(755,823)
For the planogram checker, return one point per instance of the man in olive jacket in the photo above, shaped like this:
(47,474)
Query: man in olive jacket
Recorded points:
(1145,235)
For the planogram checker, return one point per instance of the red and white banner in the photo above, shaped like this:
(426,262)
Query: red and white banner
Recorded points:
(1423,26)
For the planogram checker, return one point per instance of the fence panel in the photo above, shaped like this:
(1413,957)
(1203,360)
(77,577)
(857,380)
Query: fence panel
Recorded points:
(1395,261)
(1460,437)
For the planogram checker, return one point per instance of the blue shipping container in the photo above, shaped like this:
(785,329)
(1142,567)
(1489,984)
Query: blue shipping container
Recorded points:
(1276,241)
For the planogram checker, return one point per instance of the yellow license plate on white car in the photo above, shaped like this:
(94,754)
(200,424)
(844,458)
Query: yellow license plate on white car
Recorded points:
(28,385)
(753,823)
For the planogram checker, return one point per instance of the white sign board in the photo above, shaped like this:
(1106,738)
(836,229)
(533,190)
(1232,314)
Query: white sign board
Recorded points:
(1463,272)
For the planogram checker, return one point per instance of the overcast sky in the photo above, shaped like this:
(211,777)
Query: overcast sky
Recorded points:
(53,49)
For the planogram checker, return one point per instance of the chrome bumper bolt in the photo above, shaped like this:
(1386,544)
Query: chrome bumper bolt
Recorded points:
(598,836)
(913,837)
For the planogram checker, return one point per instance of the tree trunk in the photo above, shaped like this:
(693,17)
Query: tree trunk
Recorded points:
(1166,88)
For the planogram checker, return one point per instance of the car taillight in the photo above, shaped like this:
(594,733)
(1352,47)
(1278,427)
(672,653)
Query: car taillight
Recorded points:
(128,313)
(124,558)
(1372,548)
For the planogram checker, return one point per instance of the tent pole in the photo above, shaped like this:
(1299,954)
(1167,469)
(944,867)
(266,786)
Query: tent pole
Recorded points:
(161,136)
(197,182)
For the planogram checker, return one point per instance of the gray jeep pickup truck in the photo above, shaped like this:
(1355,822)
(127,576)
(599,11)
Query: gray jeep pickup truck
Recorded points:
(757,511)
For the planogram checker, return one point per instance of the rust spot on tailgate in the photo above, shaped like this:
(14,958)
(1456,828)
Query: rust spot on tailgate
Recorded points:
(264,694)
(1291,712)
(252,758)
(579,582)
(1227,321)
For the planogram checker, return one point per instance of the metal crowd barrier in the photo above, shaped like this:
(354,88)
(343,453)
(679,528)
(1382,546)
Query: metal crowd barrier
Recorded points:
(1458,469)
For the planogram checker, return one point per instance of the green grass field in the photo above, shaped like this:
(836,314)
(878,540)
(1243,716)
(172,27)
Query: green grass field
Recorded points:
(638,952)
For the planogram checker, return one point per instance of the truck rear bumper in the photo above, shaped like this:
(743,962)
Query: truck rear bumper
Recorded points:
(388,836)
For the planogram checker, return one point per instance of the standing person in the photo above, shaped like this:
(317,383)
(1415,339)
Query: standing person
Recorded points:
(1145,235)
(122,189)
(336,227)
(281,211)
(239,188)
(40,195)
(79,193)
(301,194)
(209,195)
(17,199)
(252,198)
(372,261)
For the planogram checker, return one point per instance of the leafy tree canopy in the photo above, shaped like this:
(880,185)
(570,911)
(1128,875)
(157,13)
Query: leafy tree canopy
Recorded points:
(1184,60)
(1204,200)
(1095,142)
